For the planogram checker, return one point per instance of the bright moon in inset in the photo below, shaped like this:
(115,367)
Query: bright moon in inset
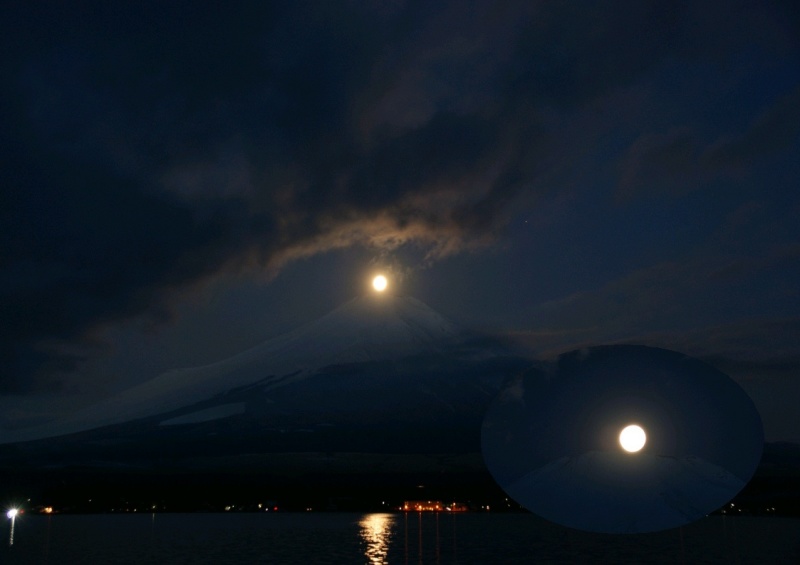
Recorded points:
(632,438)
(380,283)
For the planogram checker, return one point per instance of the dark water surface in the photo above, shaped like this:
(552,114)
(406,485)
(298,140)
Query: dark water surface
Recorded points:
(384,538)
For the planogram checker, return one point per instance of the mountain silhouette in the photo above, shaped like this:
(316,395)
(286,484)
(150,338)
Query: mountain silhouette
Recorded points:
(379,373)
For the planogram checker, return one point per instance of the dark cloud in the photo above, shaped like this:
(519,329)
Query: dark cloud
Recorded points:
(678,160)
(745,269)
(679,296)
(773,131)
(580,51)
(661,162)
(755,349)
(149,147)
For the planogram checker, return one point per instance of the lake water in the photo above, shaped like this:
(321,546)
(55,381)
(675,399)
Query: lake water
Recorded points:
(384,538)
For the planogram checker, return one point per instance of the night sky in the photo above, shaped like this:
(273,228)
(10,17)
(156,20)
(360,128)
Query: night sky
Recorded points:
(183,180)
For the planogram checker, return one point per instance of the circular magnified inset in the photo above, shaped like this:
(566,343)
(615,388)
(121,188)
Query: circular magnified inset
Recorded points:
(622,439)
(632,438)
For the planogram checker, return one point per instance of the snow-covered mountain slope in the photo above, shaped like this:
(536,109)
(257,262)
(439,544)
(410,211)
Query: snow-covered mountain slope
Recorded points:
(367,329)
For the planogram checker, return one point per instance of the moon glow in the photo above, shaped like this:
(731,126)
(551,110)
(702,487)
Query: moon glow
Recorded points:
(632,438)
(380,283)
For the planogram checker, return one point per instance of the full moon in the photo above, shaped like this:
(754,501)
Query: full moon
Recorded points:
(632,438)
(380,283)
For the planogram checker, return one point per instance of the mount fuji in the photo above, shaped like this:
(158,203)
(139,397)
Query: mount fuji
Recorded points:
(378,374)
